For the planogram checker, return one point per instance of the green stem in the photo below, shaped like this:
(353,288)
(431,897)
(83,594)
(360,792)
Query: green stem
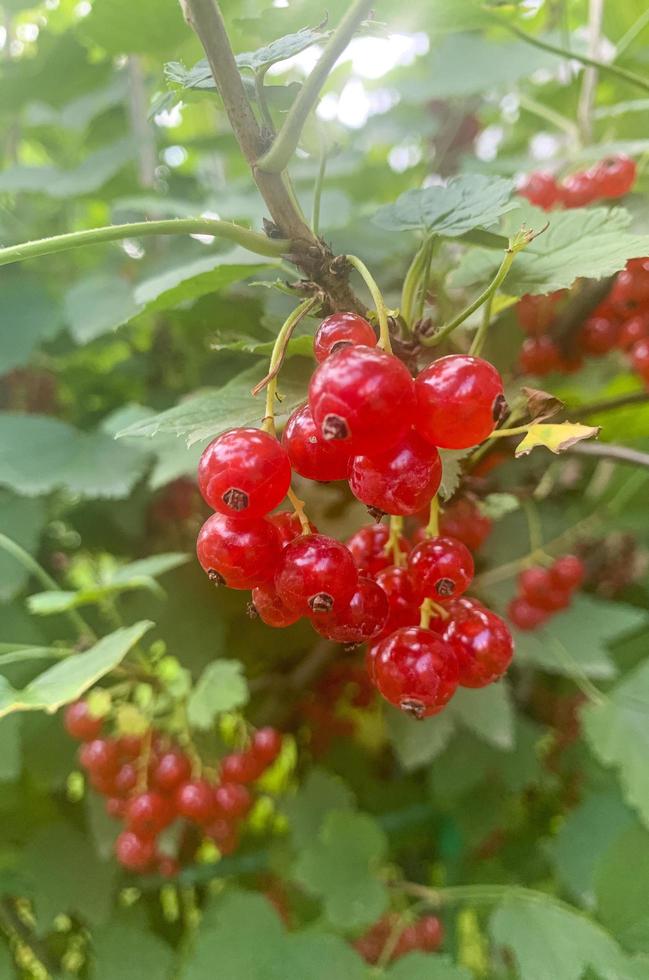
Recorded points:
(37,570)
(379,303)
(317,193)
(484,297)
(627,39)
(285,144)
(422,290)
(251,240)
(393,544)
(516,430)
(410,284)
(260,92)
(432,528)
(561,122)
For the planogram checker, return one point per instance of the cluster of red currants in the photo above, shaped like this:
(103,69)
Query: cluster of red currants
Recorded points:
(545,591)
(149,784)
(610,178)
(621,321)
(369,422)
(425,934)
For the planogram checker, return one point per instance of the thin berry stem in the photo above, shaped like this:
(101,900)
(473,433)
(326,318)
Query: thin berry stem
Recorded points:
(411,283)
(379,303)
(393,544)
(432,528)
(298,507)
(425,613)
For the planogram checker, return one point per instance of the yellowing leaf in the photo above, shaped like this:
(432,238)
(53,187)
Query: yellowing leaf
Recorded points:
(557,438)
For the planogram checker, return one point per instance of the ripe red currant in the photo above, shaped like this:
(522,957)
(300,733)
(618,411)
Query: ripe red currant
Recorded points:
(400,481)
(430,933)
(316,575)
(270,608)
(224,835)
(614,176)
(244,473)
(633,330)
(100,757)
(342,330)
(535,312)
(195,801)
(459,401)
(368,548)
(363,619)
(363,397)
(288,525)
(440,568)
(577,190)
(311,456)
(540,189)
(567,572)
(170,770)
(79,723)
(403,606)
(129,747)
(266,745)
(116,807)
(239,554)
(125,779)
(524,615)
(133,852)
(241,767)
(598,335)
(539,355)
(481,642)
(232,800)
(148,813)
(415,670)
(538,588)
(640,359)
(463,519)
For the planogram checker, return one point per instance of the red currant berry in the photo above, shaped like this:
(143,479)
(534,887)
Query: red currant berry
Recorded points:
(288,525)
(577,190)
(481,642)
(133,852)
(194,800)
(241,767)
(567,573)
(342,330)
(270,608)
(463,519)
(459,401)
(170,770)
(400,481)
(148,814)
(403,607)
(363,619)
(125,779)
(614,176)
(533,584)
(415,670)
(362,397)
(540,189)
(430,933)
(633,330)
(116,807)
(100,757)
(316,575)
(368,547)
(129,747)
(535,313)
(168,866)
(244,473)
(524,615)
(539,355)
(79,723)
(640,359)
(224,835)
(239,554)
(631,289)
(266,745)
(407,941)
(232,800)
(311,456)
(440,568)
(598,336)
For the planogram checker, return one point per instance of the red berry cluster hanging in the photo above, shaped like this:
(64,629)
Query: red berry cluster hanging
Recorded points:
(545,591)
(611,178)
(367,421)
(150,783)
(425,935)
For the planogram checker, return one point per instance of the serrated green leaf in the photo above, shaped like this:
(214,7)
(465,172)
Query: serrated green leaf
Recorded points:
(488,712)
(97,305)
(622,885)
(419,743)
(296,347)
(221,687)
(85,178)
(467,201)
(282,48)
(28,316)
(320,793)
(340,867)
(451,470)
(22,520)
(187,282)
(427,966)
(125,949)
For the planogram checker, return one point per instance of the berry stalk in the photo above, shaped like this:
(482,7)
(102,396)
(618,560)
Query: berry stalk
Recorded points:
(381,310)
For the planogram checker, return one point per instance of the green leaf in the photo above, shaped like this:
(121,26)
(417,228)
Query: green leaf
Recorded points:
(340,867)
(126,950)
(451,470)
(68,679)
(221,687)
(28,315)
(488,712)
(622,884)
(467,201)
(320,793)
(550,940)
(498,505)
(282,48)
(22,520)
(97,305)
(40,454)
(593,242)
(426,966)
(242,938)
(419,743)
(205,415)
(617,731)
(87,177)
(79,112)
(11,755)
(150,27)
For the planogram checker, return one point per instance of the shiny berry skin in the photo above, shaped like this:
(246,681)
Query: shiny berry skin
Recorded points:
(631,288)
(241,767)
(633,330)
(362,397)
(459,401)
(125,779)
(567,573)
(100,757)
(416,671)
(232,800)
(129,747)
(403,607)
(539,355)
(640,359)
(598,335)
(368,548)
(440,568)
(540,189)
(342,330)
(79,723)
(288,525)
(524,615)
(170,770)
(534,583)
(481,642)
(148,813)
(316,575)
(613,176)
(133,852)
(363,619)
(463,519)
(244,473)
(400,481)
(430,933)
(195,801)
(311,456)
(239,554)
(270,608)
(266,745)
(577,190)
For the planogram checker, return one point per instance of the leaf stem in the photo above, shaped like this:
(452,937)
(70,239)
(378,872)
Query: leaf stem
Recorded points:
(286,141)
(251,240)
(317,192)
(379,303)
(410,283)
(517,430)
